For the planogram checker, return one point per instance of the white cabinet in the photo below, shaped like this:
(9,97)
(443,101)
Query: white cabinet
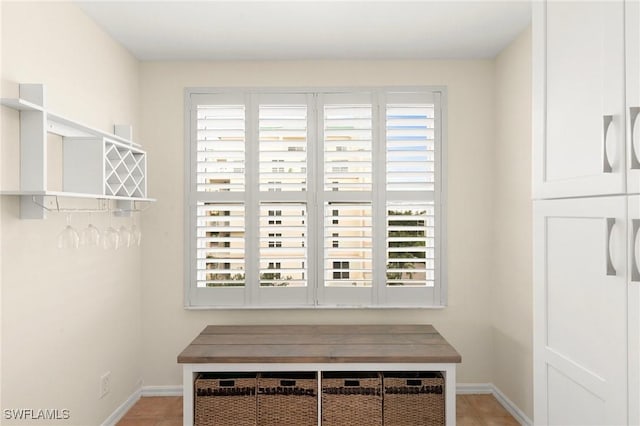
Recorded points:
(579,107)
(632,41)
(580,321)
(633,253)
(586,87)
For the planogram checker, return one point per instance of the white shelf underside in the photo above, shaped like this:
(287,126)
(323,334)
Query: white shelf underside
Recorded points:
(74,195)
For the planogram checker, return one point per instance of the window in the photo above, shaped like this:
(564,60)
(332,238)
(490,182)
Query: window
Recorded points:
(340,270)
(273,242)
(315,198)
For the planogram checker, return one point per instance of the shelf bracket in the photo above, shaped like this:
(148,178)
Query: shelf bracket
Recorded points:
(32,207)
(124,208)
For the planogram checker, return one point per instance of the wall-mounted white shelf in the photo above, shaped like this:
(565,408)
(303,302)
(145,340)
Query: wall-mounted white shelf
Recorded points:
(65,127)
(62,126)
(95,164)
(62,202)
(63,194)
(20,104)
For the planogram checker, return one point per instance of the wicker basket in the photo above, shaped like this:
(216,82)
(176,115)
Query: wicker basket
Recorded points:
(413,399)
(287,399)
(353,399)
(225,399)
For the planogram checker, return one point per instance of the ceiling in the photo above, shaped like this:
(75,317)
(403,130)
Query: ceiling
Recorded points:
(307,30)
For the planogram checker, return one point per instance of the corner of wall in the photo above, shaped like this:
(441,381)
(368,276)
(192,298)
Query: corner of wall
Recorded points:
(1,220)
(512,292)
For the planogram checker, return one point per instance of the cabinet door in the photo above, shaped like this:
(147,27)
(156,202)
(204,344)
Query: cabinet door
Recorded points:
(634,308)
(632,42)
(580,314)
(579,85)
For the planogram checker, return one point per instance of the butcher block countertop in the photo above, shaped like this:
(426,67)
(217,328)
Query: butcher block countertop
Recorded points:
(319,344)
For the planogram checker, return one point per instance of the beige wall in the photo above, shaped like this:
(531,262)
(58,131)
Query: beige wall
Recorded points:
(0,228)
(512,287)
(67,316)
(168,327)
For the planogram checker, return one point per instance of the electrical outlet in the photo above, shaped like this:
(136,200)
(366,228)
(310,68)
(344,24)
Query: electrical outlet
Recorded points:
(105,384)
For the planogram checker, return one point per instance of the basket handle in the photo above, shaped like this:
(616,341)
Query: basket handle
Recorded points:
(287,382)
(414,382)
(227,383)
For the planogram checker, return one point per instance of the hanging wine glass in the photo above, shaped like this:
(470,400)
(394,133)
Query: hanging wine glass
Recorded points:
(90,236)
(68,238)
(111,237)
(136,233)
(125,236)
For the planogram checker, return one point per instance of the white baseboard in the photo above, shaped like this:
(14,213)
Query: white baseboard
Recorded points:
(122,409)
(490,388)
(119,412)
(461,389)
(511,407)
(473,388)
(162,390)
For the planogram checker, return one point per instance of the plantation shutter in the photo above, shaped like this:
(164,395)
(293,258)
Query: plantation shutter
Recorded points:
(410,146)
(347,145)
(327,198)
(346,198)
(411,212)
(221,248)
(283,147)
(221,148)
(283,198)
(217,200)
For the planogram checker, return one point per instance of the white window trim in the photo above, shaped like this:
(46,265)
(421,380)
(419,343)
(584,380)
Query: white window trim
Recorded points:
(398,297)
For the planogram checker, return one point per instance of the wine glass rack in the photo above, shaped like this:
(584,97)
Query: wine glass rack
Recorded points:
(125,171)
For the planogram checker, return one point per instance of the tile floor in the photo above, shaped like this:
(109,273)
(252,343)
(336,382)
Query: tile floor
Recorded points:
(154,411)
(472,410)
(482,410)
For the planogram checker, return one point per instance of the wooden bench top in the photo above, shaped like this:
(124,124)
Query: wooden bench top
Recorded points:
(319,344)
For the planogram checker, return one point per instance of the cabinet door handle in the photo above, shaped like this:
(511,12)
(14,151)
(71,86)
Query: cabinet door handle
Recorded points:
(635,268)
(606,164)
(611,270)
(633,116)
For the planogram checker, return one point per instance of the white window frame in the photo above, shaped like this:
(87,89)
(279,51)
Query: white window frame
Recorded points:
(315,295)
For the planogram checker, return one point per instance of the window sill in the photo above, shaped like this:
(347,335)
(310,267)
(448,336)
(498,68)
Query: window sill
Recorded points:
(304,307)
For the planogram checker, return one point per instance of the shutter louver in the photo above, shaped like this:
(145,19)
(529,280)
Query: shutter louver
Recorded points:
(283,245)
(283,147)
(347,147)
(347,244)
(220,238)
(220,148)
(410,147)
(410,244)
